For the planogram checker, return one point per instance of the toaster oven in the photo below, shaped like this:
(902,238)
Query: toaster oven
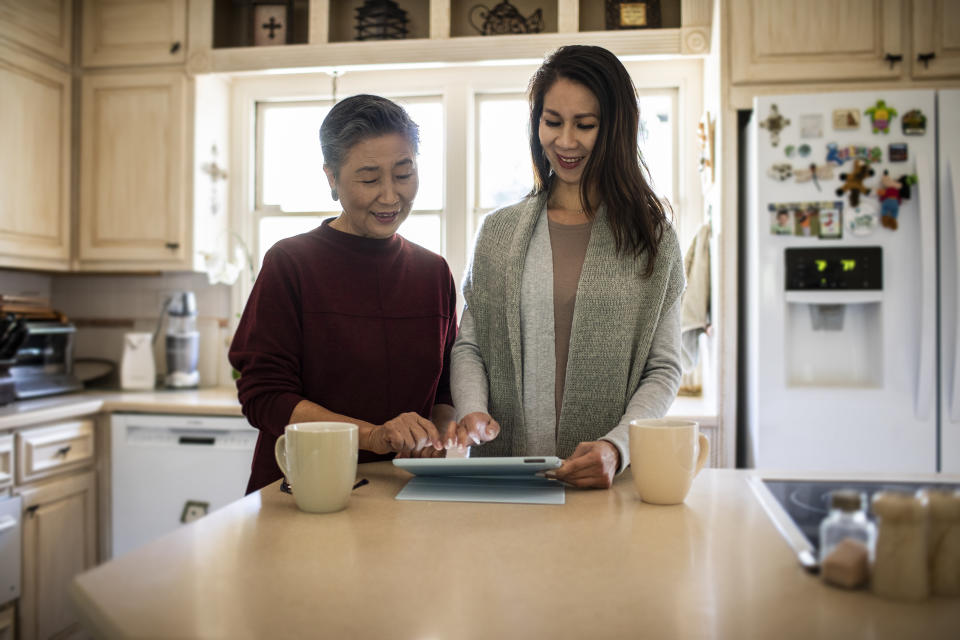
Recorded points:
(43,364)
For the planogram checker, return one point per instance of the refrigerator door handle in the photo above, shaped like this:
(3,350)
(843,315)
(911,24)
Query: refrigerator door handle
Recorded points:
(927,327)
(953,172)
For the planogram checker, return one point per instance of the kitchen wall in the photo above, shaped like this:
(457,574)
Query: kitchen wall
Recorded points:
(104,307)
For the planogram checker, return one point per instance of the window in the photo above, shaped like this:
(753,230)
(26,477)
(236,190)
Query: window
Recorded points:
(292,193)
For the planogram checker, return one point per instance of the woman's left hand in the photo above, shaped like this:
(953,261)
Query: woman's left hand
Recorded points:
(593,464)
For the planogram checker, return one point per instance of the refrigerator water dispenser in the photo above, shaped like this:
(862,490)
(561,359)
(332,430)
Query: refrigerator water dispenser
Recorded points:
(834,335)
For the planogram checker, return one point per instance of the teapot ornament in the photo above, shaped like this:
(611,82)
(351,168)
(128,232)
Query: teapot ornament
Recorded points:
(504,19)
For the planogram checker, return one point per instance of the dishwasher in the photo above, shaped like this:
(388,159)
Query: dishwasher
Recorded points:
(169,470)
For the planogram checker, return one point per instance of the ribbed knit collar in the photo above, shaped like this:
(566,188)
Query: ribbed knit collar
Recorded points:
(358,244)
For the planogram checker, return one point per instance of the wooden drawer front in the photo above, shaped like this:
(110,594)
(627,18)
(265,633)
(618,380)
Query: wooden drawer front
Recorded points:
(6,461)
(47,450)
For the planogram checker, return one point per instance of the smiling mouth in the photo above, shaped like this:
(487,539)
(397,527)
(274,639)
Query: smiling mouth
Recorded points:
(569,162)
(385,217)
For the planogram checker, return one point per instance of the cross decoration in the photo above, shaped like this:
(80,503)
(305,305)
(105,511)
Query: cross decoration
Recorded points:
(272,26)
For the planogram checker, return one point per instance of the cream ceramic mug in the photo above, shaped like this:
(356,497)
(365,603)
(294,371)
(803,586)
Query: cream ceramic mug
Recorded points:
(665,455)
(319,460)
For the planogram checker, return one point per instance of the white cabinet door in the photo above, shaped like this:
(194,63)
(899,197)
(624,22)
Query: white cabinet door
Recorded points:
(134,32)
(814,40)
(35,163)
(936,37)
(45,27)
(133,171)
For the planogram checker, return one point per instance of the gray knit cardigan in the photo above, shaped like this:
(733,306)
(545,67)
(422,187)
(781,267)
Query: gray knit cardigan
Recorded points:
(615,317)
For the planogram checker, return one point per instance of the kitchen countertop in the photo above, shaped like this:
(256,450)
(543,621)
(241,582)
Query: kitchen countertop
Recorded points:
(212,401)
(604,565)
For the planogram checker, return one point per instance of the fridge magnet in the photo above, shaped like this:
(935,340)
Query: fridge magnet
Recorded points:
(889,195)
(789,150)
(853,182)
(914,123)
(806,221)
(846,119)
(875,155)
(803,150)
(880,116)
(811,125)
(831,220)
(774,123)
(836,155)
(780,222)
(861,220)
(781,172)
(815,173)
(897,152)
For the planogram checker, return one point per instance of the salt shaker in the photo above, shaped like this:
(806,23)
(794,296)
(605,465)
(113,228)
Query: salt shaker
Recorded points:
(900,562)
(847,519)
(943,541)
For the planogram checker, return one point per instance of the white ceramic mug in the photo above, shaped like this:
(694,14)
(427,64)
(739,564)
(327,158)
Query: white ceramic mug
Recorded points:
(319,460)
(665,455)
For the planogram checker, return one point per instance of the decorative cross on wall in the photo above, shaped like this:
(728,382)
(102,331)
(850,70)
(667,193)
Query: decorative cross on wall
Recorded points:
(216,173)
(272,26)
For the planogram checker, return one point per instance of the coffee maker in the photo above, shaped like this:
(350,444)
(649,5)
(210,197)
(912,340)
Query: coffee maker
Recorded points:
(182,341)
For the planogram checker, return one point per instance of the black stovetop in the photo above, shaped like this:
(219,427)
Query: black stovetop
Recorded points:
(807,502)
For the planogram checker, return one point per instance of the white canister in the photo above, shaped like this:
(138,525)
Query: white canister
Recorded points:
(137,368)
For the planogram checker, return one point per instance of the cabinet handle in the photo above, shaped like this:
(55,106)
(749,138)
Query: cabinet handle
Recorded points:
(925,58)
(175,47)
(173,246)
(63,451)
(32,509)
(893,59)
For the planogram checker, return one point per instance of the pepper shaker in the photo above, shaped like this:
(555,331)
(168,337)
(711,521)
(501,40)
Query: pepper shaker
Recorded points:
(900,560)
(943,541)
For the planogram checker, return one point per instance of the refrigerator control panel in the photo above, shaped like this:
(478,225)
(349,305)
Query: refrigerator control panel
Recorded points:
(841,268)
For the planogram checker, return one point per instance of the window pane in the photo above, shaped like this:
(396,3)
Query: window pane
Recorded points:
(424,229)
(504,173)
(656,142)
(292,162)
(430,164)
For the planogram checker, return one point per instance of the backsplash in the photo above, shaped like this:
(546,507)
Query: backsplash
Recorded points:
(105,307)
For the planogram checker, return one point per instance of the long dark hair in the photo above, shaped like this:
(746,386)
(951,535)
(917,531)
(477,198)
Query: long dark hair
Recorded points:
(636,216)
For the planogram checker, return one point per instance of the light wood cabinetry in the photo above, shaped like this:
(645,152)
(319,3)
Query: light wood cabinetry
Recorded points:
(936,32)
(6,460)
(45,27)
(815,40)
(46,451)
(134,32)
(133,180)
(7,624)
(59,542)
(35,167)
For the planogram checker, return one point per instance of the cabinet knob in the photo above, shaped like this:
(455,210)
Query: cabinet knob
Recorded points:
(32,509)
(63,451)
(173,246)
(893,59)
(925,58)
(175,47)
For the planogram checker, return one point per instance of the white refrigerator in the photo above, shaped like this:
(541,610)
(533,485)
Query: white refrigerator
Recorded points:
(850,352)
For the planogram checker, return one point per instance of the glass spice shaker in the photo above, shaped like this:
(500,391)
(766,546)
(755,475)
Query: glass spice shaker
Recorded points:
(847,519)
(900,559)
(943,540)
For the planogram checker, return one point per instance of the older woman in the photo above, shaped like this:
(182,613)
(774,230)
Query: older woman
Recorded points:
(572,323)
(351,322)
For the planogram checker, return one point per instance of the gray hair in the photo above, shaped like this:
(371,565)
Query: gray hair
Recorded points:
(358,118)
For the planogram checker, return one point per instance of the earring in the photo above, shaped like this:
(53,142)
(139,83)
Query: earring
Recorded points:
(334,194)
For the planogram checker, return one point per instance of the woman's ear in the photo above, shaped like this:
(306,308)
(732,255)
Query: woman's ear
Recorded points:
(331,180)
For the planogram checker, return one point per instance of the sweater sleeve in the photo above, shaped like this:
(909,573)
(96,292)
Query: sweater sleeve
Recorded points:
(469,375)
(266,348)
(444,395)
(658,385)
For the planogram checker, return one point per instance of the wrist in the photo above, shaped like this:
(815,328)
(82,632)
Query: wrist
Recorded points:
(366,437)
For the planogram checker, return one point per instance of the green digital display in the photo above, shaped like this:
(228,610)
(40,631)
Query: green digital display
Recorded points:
(834,268)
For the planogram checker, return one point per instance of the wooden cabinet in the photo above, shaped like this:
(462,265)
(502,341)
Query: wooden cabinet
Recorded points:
(53,449)
(6,460)
(45,27)
(35,167)
(936,33)
(814,40)
(7,625)
(59,542)
(134,170)
(134,32)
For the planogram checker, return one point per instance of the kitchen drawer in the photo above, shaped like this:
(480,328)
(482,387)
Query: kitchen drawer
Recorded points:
(44,451)
(6,460)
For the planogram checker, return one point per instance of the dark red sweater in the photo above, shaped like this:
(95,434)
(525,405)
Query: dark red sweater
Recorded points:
(360,326)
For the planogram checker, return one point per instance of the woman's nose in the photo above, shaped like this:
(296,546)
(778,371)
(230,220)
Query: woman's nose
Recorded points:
(567,138)
(388,192)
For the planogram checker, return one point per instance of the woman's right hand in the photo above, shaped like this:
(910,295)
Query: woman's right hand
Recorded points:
(474,428)
(407,432)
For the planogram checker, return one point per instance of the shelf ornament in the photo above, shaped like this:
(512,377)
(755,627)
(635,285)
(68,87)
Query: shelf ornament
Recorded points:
(633,15)
(381,20)
(504,19)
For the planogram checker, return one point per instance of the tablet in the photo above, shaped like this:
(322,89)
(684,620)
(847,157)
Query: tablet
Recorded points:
(515,466)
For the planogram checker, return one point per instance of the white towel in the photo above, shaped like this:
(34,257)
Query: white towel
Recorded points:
(695,316)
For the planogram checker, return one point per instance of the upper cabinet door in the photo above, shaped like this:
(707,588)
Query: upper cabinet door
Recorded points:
(936,38)
(814,40)
(133,169)
(134,32)
(42,26)
(35,165)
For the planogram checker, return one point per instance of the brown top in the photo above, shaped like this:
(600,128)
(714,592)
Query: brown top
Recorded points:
(568,243)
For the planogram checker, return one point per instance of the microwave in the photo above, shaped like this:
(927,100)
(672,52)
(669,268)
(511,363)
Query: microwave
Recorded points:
(43,364)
